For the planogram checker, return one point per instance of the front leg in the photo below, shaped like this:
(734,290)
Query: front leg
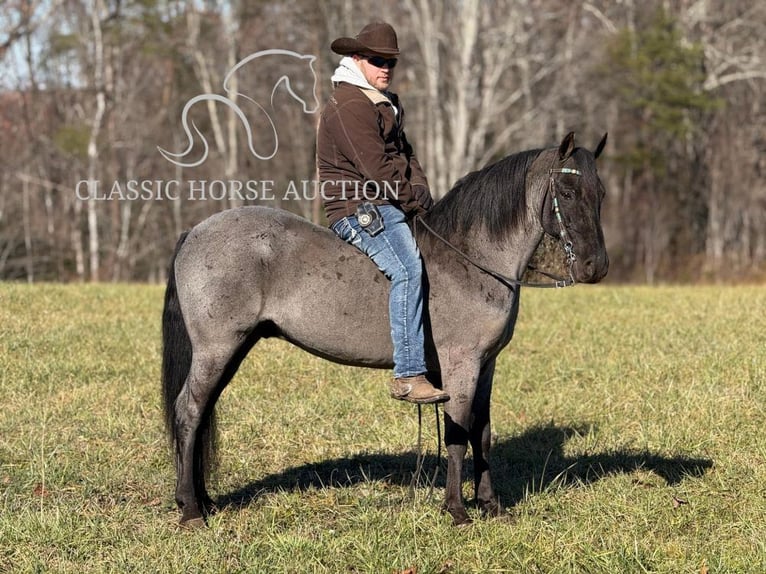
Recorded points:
(481,437)
(460,383)
(456,438)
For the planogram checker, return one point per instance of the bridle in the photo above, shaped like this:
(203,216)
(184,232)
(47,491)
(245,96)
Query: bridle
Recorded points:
(566,240)
(563,233)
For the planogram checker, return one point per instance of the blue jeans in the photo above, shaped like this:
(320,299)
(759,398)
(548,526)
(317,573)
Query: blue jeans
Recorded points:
(396,254)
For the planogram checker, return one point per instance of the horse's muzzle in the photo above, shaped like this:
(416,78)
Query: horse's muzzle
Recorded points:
(591,270)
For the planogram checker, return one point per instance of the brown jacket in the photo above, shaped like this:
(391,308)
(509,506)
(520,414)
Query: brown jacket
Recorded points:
(363,155)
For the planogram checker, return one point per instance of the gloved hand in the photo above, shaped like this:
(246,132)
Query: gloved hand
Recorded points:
(423,197)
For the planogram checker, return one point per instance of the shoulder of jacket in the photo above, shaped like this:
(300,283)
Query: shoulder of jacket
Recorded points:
(346,93)
(342,97)
(347,97)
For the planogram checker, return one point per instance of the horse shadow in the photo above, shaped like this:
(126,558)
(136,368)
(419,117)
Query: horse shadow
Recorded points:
(521,465)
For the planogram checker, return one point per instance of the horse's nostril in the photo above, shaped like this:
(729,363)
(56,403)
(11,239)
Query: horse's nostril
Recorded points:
(595,268)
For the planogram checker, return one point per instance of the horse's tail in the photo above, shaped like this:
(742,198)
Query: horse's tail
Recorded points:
(176,346)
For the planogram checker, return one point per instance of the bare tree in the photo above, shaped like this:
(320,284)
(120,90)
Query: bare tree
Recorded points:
(95,86)
(100,71)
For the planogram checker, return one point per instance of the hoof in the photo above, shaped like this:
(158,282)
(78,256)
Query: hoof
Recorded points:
(506,518)
(208,506)
(459,517)
(461,522)
(193,523)
(495,511)
(492,510)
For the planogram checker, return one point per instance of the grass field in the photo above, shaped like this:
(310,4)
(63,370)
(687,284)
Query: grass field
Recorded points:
(629,437)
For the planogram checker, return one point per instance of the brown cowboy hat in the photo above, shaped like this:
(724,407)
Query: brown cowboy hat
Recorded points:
(377,38)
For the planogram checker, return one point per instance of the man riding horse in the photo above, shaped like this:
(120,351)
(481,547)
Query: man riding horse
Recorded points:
(361,141)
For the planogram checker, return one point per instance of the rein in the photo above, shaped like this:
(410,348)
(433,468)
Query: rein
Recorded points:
(421,456)
(558,282)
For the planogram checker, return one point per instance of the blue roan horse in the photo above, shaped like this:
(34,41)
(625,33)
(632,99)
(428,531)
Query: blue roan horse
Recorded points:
(256,272)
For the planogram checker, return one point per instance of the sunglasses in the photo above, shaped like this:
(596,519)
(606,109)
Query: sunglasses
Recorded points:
(381,62)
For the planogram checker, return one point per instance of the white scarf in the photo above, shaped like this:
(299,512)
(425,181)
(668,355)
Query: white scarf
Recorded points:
(347,71)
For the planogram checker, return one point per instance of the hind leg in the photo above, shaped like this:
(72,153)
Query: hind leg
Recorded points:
(193,412)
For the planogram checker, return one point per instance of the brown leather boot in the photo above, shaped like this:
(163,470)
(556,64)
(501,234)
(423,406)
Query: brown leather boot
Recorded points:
(417,390)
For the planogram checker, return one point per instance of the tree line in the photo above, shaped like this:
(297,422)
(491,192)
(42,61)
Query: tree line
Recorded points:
(99,100)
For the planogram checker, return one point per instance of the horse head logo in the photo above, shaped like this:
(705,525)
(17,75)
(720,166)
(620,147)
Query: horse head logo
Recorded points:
(309,102)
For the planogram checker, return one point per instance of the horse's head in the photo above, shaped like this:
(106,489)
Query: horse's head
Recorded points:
(572,209)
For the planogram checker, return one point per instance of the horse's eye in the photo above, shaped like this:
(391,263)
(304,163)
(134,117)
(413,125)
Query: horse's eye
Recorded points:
(567,192)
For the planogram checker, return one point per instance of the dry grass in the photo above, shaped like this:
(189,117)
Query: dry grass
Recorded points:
(629,438)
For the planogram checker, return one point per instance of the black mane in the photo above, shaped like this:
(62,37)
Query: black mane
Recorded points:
(494,196)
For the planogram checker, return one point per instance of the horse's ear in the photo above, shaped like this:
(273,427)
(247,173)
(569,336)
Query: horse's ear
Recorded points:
(600,146)
(567,146)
